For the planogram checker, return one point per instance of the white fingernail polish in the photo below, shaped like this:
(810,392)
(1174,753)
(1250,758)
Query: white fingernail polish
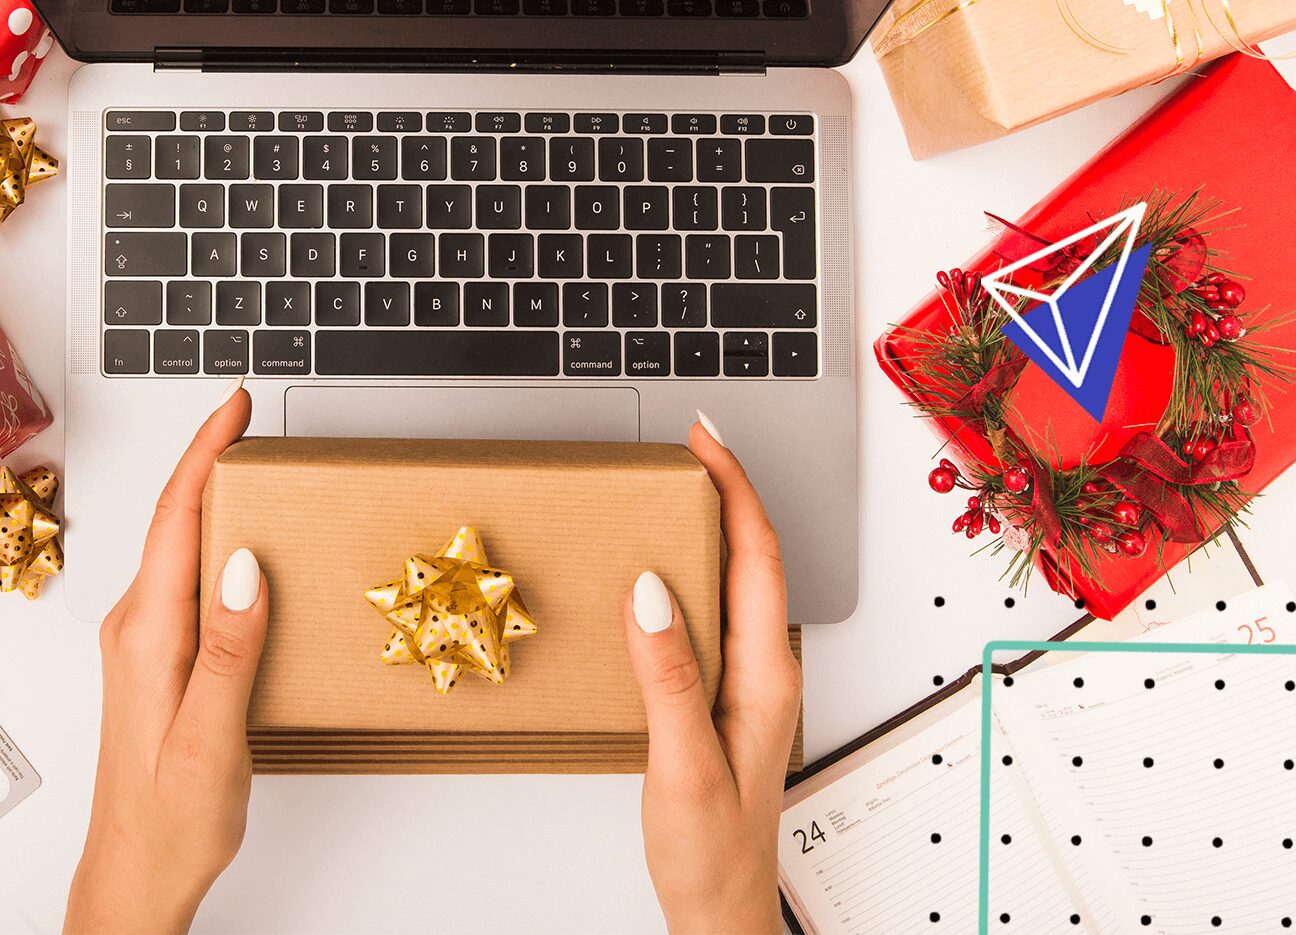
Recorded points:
(234,386)
(241,581)
(652,604)
(710,427)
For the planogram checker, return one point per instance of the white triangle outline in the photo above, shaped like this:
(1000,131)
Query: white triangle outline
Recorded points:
(1125,223)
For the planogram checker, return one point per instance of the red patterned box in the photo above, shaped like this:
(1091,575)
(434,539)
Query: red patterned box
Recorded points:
(23,412)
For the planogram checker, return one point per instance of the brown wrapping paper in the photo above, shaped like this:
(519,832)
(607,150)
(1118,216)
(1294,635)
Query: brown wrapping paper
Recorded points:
(965,72)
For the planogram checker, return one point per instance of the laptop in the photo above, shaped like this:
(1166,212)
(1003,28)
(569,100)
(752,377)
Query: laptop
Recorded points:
(550,219)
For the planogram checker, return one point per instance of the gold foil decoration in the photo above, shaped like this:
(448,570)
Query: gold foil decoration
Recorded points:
(29,548)
(22,163)
(453,612)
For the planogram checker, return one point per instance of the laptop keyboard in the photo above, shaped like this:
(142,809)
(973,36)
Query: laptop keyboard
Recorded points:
(411,244)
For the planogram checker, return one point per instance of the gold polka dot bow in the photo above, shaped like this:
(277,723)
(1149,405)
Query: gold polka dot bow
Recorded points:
(453,612)
(29,549)
(22,163)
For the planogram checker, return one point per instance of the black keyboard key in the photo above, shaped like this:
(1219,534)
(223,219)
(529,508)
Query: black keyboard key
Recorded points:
(792,211)
(545,8)
(499,207)
(313,256)
(126,352)
(598,208)
(746,354)
(738,7)
(764,305)
(791,125)
(647,354)
(264,255)
(634,305)
(592,354)
(462,256)
(337,304)
(719,160)
(227,157)
(350,121)
(548,207)
(645,124)
(301,207)
(786,8)
(548,123)
(756,256)
(374,158)
(472,158)
(144,6)
(238,303)
(535,305)
(202,121)
(400,7)
(499,123)
(252,121)
(659,256)
(155,253)
(283,353)
(412,256)
(743,209)
(362,256)
(436,304)
(610,256)
(301,121)
(189,302)
(495,7)
(400,121)
(621,159)
(215,254)
(304,7)
(688,7)
(684,305)
(796,354)
(647,207)
(670,160)
(225,353)
(175,352)
(697,354)
(693,124)
(486,305)
(522,159)
(130,157)
(251,206)
(140,205)
(254,6)
(697,208)
(571,159)
(386,304)
(400,207)
(202,206)
(351,7)
(141,121)
(452,122)
(596,123)
(512,256)
(585,305)
(560,256)
(780,161)
(742,124)
(275,157)
(456,353)
(130,302)
(288,304)
(423,158)
(324,158)
(707,256)
(350,206)
(643,8)
(449,207)
(593,7)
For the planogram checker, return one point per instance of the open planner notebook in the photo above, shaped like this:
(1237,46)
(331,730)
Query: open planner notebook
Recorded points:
(1114,807)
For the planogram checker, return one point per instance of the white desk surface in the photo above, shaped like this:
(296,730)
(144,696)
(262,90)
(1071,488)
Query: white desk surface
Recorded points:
(322,854)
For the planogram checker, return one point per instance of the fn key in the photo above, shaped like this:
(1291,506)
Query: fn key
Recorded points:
(126,352)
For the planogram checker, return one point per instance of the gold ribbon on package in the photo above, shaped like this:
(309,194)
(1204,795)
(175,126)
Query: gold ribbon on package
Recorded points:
(29,549)
(22,163)
(453,612)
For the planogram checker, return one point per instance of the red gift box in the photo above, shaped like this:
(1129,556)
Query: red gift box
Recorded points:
(1230,133)
(24,42)
(22,411)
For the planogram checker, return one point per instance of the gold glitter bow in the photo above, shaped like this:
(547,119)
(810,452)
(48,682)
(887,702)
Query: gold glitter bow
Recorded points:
(22,163)
(452,611)
(29,549)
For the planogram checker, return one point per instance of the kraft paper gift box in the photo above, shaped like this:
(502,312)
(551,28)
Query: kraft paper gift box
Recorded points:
(962,73)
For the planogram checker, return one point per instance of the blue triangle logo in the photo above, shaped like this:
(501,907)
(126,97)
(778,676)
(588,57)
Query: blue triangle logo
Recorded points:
(1079,309)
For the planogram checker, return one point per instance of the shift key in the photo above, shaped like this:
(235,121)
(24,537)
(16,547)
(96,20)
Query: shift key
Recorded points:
(155,253)
(764,305)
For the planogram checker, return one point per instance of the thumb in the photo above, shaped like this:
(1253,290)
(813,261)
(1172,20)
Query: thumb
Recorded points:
(681,735)
(213,714)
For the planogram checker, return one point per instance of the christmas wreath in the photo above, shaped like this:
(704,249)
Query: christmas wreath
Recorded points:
(1177,481)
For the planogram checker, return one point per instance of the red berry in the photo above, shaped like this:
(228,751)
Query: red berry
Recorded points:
(1197,322)
(974,529)
(1209,293)
(1211,335)
(1232,294)
(1016,479)
(1126,513)
(1202,447)
(1216,279)
(942,479)
(1133,543)
(1091,487)
(959,523)
(1101,532)
(1219,306)
(948,465)
(1230,327)
(993,523)
(1246,412)
(974,503)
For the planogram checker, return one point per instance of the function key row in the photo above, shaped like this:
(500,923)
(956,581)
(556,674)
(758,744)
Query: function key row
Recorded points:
(775,9)
(265,121)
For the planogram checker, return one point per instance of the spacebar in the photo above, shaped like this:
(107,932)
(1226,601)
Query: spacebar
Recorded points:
(363,353)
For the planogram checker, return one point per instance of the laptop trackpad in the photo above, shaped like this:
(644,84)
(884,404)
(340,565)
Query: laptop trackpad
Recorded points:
(578,413)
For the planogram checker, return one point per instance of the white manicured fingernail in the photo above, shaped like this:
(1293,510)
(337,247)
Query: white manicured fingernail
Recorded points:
(234,386)
(652,604)
(241,581)
(710,427)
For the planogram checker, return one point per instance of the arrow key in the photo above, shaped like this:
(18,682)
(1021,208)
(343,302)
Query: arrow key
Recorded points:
(746,354)
(796,354)
(697,354)
(175,352)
